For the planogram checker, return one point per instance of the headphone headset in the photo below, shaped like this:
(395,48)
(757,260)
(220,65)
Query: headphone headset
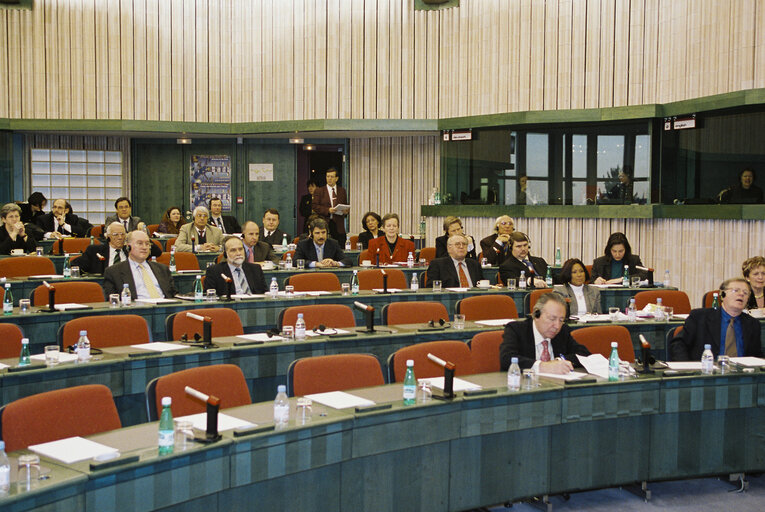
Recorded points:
(722,294)
(432,323)
(537,313)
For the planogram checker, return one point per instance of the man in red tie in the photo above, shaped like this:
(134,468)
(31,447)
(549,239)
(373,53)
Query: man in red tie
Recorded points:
(542,342)
(455,270)
(325,201)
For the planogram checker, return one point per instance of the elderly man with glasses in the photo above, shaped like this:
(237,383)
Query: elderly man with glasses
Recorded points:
(455,270)
(98,257)
(198,236)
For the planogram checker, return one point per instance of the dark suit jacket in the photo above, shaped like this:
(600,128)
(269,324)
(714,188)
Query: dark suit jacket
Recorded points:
(262,251)
(365,237)
(252,272)
(493,253)
(591,297)
(275,238)
(518,341)
(89,262)
(703,326)
(117,275)
(79,228)
(601,267)
(442,269)
(230,223)
(132,222)
(306,251)
(6,244)
(321,203)
(441,250)
(512,268)
(400,251)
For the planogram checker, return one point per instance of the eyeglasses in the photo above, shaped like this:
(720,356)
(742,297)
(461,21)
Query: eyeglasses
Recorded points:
(458,244)
(743,291)
(505,223)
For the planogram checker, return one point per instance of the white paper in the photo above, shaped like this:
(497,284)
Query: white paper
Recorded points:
(70,305)
(248,295)
(294,294)
(47,276)
(157,301)
(681,316)
(316,293)
(225,422)
(72,449)
(748,361)
(607,285)
(495,321)
(340,400)
(63,357)
(261,336)
(458,290)
(596,364)
(342,209)
(458,385)
(563,376)
(390,290)
(4,366)
(684,365)
(620,317)
(328,331)
(160,346)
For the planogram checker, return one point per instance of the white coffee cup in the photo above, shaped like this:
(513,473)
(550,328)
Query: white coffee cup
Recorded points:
(484,283)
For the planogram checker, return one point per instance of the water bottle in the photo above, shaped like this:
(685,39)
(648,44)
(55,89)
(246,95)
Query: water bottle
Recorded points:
(415,284)
(288,261)
(715,300)
(626,277)
(522,280)
(632,311)
(166,428)
(659,314)
(273,289)
(199,294)
(92,240)
(300,327)
(410,260)
(173,267)
(8,300)
(422,230)
(667,283)
(438,197)
(281,407)
(410,384)
(284,241)
(25,358)
(558,261)
(355,283)
(548,278)
(484,262)
(514,375)
(348,244)
(5,470)
(707,361)
(67,266)
(83,347)
(126,297)
(613,362)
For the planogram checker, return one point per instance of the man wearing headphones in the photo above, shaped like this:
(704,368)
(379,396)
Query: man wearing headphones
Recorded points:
(146,279)
(455,270)
(728,329)
(543,342)
(496,247)
(521,261)
(98,257)
(247,278)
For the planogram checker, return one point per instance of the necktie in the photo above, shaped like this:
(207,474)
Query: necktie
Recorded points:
(153,293)
(241,281)
(125,223)
(730,340)
(531,267)
(201,239)
(116,258)
(220,224)
(545,351)
(463,278)
(251,254)
(320,253)
(334,197)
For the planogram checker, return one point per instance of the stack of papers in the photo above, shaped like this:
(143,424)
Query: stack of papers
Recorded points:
(390,290)
(160,346)
(261,336)
(340,400)
(562,376)
(73,449)
(63,357)
(458,290)
(684,365)
(70,305)
(748,361)
(157,301)
(495,321)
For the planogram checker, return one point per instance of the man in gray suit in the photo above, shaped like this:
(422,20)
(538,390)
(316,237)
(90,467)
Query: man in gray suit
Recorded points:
(198,236)
(257,251)
(124,208)
(146,279)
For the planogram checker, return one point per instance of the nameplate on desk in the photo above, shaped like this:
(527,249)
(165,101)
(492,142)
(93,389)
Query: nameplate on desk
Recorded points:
(370,408)
(240,432)
(119,461)
(479,392)
(577,382)
(14,369)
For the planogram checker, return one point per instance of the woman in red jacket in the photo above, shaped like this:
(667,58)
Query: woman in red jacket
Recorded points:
(390,248)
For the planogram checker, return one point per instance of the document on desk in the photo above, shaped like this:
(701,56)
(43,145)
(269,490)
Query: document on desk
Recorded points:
(495,322)
(72,449)
(160,346)
(47,276)
(248,296)
(748,361)
(563,376)
(596,364)
(4,366)
(70,306)
(316,293)
(260,336)
(225,422)
(684,365)
(458,385)
(621,317)
(340,400)
(390,290)
(457,289)
(63,357)
(158,301)
(326,332)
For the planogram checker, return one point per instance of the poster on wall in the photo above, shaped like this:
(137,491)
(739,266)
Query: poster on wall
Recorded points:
(261,172)
(210,177)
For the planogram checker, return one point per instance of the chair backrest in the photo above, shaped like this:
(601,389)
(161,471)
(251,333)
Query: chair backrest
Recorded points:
(224,381)
(484,350)
(330,315)
(10,340)
(183,260)
(453,351)
(225,322)
(170,242)
(97,230)
(72,291)
(333,373)
(314,282)
(427,254)
(413,312)
(20,266)
(105,331)
(372,278)
(676,299)
(72,245)
(152,228)
(290,253)
(589,273)
(708,298)
(598,340)
(354,242)
(53,415)
(533,297)
(365,255)
(487,307)
(671,334)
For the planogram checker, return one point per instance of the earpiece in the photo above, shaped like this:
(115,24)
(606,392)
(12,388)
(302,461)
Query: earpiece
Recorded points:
(322,328)
(722,294)
(273,331)
(537,313)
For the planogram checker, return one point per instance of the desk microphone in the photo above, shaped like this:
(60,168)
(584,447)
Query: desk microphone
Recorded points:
(448,377)
(369,315)
(213,405)
(649,271)
(229,285)
(647,358)
(51,298)
(206,329)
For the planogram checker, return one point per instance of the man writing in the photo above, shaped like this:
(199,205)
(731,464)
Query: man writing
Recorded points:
(98,257)
(325,201)
(256,251)
(226,223)
(146,279)
(124,209)
(320,251)
(198,236)
(247,278)
(455,270)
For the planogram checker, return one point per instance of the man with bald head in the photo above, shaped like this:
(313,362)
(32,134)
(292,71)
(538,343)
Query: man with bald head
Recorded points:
(256,250)
(496,247)
(146,279)
(98,257)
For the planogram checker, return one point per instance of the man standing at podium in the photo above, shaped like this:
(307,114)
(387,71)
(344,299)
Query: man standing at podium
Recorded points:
(325,201)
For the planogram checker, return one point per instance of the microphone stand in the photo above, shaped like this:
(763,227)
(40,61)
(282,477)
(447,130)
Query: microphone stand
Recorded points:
(448,378)
(213,406)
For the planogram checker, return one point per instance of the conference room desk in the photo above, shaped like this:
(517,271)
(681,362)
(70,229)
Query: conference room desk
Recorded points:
(435,456)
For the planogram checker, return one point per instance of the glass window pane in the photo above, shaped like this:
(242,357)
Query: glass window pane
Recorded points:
(95,193)
(59,180)
(78,206)
(113,169)
(578,157)
(40,180)
(95,156)
(640,191)
(44,191)
(58,192)
(59,155)
(78,193)
(536,192)
(77,181)
(95,206)
(95,168)
(40,167)
(40,154)
(59,168)
(579,192)
(76,155)
(537,154)
(95,181)
(610,156)
(114,181)
(77,168)
(113,156)
(642,155)
(112,194)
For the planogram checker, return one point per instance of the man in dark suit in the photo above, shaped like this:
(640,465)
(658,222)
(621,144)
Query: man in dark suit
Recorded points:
(98,257)
(325,201)
(271,233)
(226,223)
(246,278)
(124,209)
(320,251)
(33,208)
(58,223)
(496,247)
(146,279)
(455,270)
(728,329)
(542,342)
(520,261)
(256,250)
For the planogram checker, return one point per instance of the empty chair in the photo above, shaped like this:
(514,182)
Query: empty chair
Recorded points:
(484,351)
(708,299)
(487,307)
(225,381)
(183,260)
(97,231)
(315,282)
(70,245)
(365,255)
(413,312)
(533,297)
(333,373)
(373,278)
(329,315)
(456,352)
(72,291)
(105,331)
(10,340)
(20,266)
(427,254)
(225,322)
(598,340)
(676,299)
(59,414)
(354,242)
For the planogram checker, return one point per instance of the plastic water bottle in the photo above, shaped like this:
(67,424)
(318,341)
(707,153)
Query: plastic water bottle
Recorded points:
(8,300)
(92,240)
(173,267)
(5,470)
(348,244)
(410,260)
(715,300)
(613,362)
(67,266)
(484,262)
(659,314)
(548,278)
(558,261)
(707,361)
(166,428)
(300,327)
(667,282)
(514,375)
(126,297)
(83,347)
(522,280)
(626,277)
(355,283)
(25,358)
(422,230)
(199,294)
(284,241)
(410,384)
(632,311)
(281,407)
(288,261)
(273,289)
(415,284)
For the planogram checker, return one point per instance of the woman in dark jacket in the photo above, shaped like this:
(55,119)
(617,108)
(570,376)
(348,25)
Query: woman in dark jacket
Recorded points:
(372,224)
(618,254)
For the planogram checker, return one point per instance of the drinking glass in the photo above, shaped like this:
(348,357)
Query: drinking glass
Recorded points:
(436,286)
